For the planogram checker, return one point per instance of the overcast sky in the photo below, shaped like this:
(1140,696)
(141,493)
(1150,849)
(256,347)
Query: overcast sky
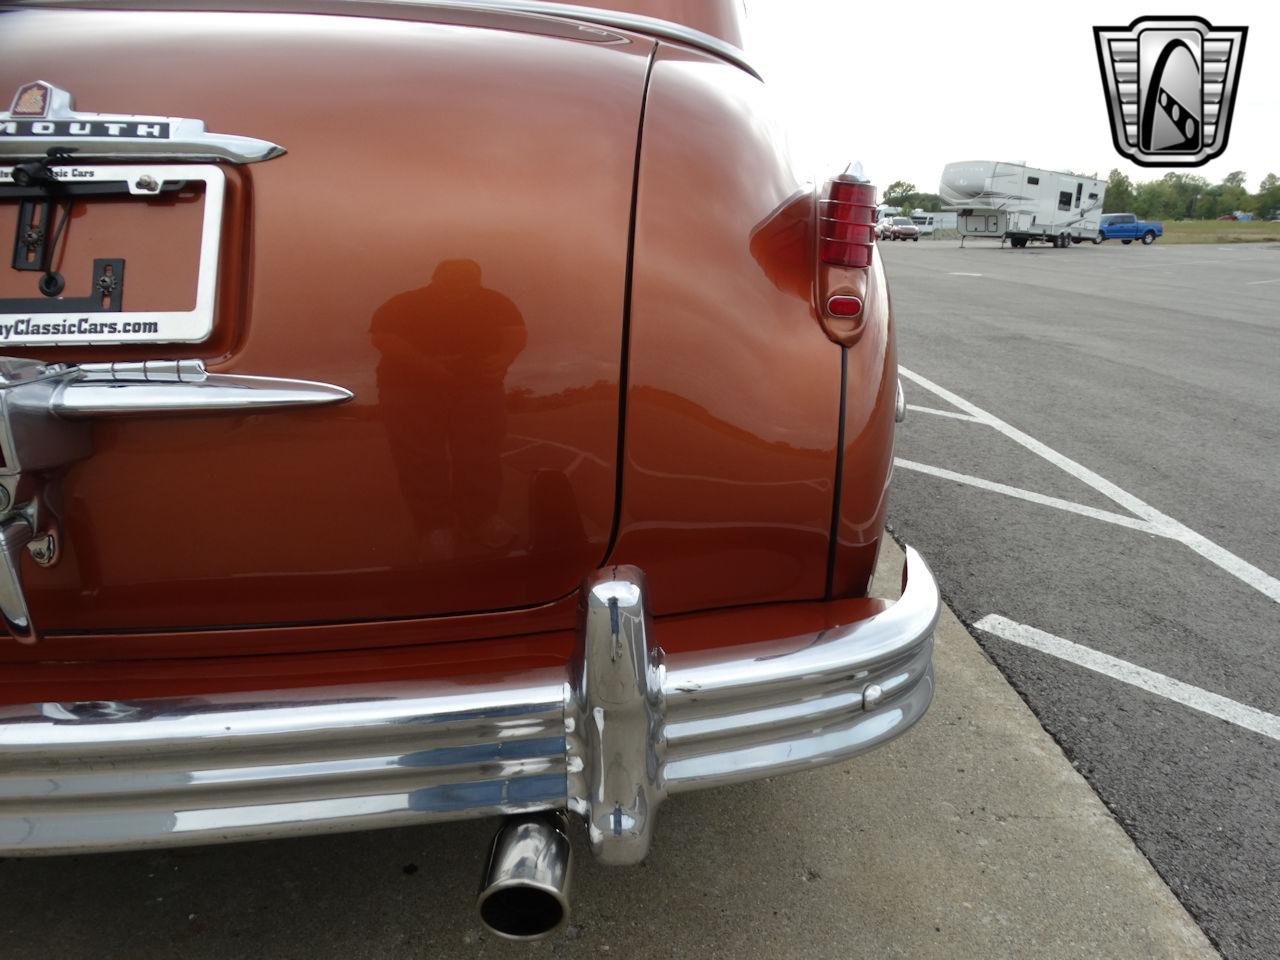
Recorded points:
(906,86)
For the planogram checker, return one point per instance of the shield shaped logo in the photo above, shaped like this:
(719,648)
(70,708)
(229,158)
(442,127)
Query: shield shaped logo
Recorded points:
(1170,84)
(31,100)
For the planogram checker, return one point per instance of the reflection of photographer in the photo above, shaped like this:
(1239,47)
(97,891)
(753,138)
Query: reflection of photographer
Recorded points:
(446,349)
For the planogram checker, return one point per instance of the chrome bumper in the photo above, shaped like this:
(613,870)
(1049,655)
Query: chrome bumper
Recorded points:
(608,739)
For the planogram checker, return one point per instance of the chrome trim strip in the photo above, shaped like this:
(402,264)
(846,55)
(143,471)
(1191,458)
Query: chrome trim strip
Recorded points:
(638,23)
(179,386)
(607,738)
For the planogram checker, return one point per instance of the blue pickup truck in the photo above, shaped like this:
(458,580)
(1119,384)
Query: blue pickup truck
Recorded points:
(1126,227)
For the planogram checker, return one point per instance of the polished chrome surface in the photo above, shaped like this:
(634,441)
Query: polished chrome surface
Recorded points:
(179,386)
(607,738)
(15,534)
(619,709)
(524,893)
(112,775)
(872,694)
(777,706)
(29,135)
(900,404)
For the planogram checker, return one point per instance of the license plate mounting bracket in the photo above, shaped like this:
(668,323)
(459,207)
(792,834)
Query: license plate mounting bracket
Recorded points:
(107,294)
(52,320)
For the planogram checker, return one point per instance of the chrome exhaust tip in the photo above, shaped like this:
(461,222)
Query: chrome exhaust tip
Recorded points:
(524,894)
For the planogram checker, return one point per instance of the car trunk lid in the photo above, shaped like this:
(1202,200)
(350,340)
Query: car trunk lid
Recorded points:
(445,236)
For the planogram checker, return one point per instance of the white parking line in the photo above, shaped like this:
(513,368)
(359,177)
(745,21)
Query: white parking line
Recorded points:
(1242,715)
(1070,506)
(959,274)
(1159,523)
(1254,283)
(943,413)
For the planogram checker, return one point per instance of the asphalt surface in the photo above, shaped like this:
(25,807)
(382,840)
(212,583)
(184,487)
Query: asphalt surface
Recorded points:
(1157,368)
(970,837)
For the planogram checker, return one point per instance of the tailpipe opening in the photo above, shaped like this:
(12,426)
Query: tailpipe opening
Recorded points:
(524,894)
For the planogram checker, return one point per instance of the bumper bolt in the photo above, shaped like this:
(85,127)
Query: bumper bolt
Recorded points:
(871,696)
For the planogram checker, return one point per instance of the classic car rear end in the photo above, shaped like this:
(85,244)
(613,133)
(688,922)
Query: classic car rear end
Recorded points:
(425,411)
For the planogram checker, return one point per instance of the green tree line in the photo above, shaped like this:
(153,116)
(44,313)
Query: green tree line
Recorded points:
(902,194)
(1175,196)
(1184,196)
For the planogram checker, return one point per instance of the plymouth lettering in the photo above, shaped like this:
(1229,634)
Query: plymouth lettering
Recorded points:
(81,128)
(41,113)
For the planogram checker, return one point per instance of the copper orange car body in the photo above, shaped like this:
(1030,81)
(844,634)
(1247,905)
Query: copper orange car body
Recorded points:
(559,259)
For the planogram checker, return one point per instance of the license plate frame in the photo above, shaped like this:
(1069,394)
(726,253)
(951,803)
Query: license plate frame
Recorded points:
(78,327)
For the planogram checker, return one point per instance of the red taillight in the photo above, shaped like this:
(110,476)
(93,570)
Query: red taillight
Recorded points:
(846,219)
(844,306)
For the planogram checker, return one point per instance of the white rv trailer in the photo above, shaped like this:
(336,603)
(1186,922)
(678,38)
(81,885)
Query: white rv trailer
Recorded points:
(1019,203)
(929,221)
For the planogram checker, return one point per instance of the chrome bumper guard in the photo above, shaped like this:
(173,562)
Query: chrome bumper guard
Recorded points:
(609,739)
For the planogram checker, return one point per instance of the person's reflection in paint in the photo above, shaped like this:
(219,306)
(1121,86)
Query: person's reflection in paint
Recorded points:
(446,349)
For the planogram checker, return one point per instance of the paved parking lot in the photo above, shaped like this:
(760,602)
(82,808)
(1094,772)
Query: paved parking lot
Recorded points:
(1092,467)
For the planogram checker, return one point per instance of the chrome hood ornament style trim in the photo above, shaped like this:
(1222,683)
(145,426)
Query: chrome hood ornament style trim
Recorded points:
(42,117)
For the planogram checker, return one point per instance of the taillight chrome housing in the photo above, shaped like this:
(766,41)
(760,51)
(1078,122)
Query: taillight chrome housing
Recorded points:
(846,253)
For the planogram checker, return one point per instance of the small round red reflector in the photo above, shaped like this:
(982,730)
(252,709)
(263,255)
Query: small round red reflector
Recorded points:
(844,306)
